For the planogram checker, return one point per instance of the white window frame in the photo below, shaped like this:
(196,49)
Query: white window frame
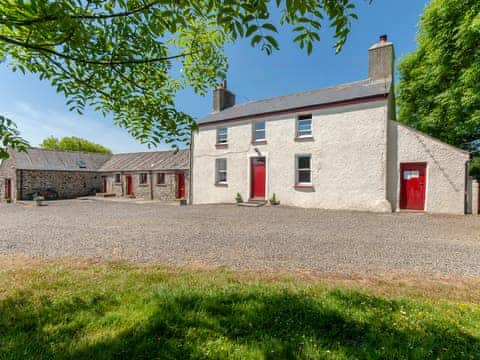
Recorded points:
(255,130)
(219,171)
(220,139)
(300,118)
(298,169)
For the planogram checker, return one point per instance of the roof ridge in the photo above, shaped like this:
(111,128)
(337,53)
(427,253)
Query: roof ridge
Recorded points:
(303,92)
(68,151)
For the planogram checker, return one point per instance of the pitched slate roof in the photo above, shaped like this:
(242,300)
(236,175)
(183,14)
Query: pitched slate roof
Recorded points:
(144,161)
(41,159)
(328,95)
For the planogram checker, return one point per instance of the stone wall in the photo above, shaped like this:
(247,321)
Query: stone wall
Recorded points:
(164,192)
(7,171)
(68,184)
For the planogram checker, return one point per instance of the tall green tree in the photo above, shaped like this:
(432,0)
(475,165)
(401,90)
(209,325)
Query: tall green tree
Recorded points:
(130,58)
(73,143)
(439,90)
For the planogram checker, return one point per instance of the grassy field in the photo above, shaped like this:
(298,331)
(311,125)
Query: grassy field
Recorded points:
(72,309)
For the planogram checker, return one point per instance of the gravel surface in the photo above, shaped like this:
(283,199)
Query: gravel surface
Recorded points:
(270,238)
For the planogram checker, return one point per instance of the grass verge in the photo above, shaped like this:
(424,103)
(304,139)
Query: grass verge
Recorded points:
(71,309)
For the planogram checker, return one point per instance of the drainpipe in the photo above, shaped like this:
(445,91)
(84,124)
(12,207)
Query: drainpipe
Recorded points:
(467,195)
(151,185)
(190,170)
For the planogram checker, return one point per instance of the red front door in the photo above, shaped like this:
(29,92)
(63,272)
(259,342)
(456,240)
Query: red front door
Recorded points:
(8,189)
(180,185)
(413,182)
(129,184)
(258,178)
(104,184)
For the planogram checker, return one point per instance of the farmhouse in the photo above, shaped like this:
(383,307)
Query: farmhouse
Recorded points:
(161,175)
(337,148)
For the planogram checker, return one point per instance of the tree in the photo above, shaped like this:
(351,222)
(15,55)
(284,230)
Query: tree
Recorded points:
(439,90)
(130,58)
(10,137)
(73,144)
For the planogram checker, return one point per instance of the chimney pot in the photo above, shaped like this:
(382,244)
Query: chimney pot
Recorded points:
(383,39)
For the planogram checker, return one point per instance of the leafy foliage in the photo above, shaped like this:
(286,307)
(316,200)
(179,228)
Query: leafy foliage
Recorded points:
(10,137)
(474,168)
(131,58)
(439,91)
(73,144)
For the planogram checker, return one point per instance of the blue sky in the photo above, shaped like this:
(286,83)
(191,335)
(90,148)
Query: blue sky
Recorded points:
(40,112)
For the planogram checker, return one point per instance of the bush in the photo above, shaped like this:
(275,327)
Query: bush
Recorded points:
(475,168)
(239,198)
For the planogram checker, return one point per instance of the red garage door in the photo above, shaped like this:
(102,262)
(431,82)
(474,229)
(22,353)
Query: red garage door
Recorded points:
(413,181)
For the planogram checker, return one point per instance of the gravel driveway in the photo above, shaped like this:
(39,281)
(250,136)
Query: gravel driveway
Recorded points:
(273,238)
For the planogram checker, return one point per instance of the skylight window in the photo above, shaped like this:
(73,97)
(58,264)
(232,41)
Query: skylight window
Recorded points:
(81,164)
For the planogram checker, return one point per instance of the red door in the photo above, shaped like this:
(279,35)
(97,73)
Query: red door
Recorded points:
(8,189)
(129,184)
(258,178)
(180,186)
(104,184)
(412,191)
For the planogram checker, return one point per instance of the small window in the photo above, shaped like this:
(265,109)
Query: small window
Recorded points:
(222,135)
(304,126)
(143,179)
(160,179)
(304,170)
(118,178)
(221,171)
(259,130)
(81,164)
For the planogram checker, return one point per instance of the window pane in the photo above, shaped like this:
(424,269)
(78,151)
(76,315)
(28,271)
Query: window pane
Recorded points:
(304,162)
(259,134)
(304,127)
(160,178)
(260,125)
(222,135)
(304,176)
(221,170)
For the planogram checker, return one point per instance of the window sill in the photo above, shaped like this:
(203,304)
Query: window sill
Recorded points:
(304,187)
(304,138)
(259,142)
(161,185)
(119,183)
(221,184)
(143,185)
(221,145)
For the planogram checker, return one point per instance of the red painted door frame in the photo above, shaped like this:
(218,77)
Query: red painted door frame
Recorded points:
(8,189)
(413,183)
(257,178)
(180,185)
(129,181)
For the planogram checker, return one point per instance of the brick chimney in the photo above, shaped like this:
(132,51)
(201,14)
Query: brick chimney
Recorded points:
(222,98)
(381,58)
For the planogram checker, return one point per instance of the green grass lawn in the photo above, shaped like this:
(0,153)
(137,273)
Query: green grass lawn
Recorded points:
(68,310)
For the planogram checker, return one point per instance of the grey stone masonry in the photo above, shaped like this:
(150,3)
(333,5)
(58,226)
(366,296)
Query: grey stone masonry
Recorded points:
(68,184)
(7,171)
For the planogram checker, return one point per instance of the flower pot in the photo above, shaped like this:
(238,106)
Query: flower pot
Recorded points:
(183,202)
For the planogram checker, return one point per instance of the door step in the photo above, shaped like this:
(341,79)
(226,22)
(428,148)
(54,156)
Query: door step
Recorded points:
(253,203)
(104,194)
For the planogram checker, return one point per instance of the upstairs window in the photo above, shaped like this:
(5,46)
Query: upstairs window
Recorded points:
(259,130)
(304,126)
(304,170)
(143,178)
(221,171)
(118,178)
(222,135)
(160,179)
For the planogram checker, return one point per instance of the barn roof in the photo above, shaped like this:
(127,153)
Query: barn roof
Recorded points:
(42,159)
(327,95)
(144,161)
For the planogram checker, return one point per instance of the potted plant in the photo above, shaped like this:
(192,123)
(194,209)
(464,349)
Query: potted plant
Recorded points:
(274,200)
(39,200)
(238,198)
